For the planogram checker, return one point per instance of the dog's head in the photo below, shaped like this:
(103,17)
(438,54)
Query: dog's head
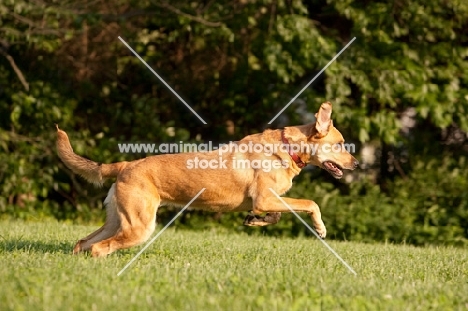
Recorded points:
(327,148)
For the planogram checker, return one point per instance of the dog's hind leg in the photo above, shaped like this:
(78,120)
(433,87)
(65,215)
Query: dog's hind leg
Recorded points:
(253,220)
(136,211)
(109,228)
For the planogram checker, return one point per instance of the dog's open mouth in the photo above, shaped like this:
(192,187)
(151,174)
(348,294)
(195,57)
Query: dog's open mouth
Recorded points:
(334,169)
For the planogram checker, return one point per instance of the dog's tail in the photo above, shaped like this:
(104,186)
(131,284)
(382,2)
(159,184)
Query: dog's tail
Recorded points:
(92,171)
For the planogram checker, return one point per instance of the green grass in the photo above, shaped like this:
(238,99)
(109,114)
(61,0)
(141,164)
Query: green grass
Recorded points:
(218,270)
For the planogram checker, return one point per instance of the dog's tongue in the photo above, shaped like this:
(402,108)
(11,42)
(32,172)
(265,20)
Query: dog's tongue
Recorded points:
(333,168)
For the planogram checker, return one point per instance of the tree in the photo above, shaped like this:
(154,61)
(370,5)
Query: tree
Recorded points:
(400,88)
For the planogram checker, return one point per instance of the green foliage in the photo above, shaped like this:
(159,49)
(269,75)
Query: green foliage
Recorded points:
(240,62)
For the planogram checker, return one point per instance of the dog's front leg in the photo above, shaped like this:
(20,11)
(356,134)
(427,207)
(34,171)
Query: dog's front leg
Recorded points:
(271,204)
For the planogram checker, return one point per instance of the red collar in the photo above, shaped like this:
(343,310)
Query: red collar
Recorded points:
(293,155)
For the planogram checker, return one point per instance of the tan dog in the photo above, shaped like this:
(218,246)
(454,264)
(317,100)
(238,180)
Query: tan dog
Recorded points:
(143,185)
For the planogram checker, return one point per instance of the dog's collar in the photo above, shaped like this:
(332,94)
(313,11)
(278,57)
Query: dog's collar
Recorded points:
(292,154)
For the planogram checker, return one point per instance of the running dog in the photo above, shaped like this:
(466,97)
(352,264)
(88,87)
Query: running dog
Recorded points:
(143,185)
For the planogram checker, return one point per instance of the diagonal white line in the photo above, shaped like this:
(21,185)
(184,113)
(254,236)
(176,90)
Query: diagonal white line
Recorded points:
(316,76)
(160,232)
(167,85)
(315,233)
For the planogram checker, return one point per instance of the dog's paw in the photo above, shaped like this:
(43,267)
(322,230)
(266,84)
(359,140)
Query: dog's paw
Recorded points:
(321,231)
(272,218)
(255,221)
(99,250)
(78,249)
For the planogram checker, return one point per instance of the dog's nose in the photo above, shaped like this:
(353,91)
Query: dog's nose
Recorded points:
(356,163)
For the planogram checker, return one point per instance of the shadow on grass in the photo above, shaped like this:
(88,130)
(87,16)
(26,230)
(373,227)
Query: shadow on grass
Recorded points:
(13,245)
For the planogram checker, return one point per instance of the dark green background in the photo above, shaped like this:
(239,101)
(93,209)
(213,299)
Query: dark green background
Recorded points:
(240,62)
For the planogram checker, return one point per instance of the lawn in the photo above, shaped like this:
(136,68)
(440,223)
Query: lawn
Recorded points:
(220,270)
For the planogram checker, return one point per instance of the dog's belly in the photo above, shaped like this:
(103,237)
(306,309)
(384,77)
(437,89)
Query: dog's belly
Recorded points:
(212,200)
(213,206)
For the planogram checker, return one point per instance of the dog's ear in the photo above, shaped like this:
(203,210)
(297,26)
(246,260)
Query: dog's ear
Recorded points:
(323,116)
